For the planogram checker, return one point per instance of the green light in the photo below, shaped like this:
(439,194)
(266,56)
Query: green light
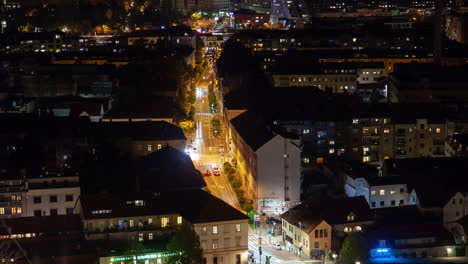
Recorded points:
(144,257)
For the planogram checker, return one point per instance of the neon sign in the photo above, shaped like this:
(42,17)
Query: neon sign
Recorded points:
(143,257)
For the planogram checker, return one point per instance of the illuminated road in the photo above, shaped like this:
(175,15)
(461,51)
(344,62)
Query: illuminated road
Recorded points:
(277,256)
(209,150)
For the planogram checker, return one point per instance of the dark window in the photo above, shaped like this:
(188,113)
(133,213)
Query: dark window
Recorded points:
(453,201)
(53,198)
(37,199)
(316,244)
(316,233)
(402,202)
(461,200)
(238,258)
(421,145)
(53,211)
(69,197)
(422,126)
(392,202)
(321,233)
(215,260)
(382,203)
(373,204)
(69,211)
(325,233)
(457,213)
(421,135)
(37,212)
(402,190)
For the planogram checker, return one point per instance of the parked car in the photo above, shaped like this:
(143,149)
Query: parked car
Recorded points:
(276,246)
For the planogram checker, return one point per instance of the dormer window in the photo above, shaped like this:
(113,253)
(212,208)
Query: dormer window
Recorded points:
(350,217)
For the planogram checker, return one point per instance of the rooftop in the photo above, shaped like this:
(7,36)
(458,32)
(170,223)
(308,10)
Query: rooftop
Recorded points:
(168,169)
(147,130)
(197,206)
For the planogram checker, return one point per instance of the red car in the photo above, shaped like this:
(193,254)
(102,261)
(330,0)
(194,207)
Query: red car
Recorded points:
(207,173)
(216,171)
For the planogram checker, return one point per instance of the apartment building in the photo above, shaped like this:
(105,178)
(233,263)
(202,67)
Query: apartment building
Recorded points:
(376,139)
(223,230)
(270,163)
(12,198)
(51,195)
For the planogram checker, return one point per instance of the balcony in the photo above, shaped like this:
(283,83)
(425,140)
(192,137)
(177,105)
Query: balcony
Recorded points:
(11,203)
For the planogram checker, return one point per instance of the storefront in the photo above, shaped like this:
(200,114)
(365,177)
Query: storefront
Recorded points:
(150,258)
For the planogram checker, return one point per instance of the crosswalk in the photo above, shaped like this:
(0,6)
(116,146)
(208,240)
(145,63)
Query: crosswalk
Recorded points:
(277,257)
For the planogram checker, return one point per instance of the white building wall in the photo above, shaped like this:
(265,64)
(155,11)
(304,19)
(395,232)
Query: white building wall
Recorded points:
(376,196)
(45,205)
(455,208)
(278,174)
(225,244)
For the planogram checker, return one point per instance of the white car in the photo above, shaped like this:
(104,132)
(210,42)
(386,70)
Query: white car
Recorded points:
(276,246)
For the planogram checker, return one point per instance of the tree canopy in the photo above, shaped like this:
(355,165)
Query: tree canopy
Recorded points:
(354,249)
(186,242)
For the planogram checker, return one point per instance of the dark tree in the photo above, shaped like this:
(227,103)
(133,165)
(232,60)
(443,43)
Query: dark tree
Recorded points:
(354,249)
(186,242)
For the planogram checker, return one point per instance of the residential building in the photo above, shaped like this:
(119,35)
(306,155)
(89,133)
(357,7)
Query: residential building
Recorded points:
(270,163)
(51,195)
(12,197)
(162,111)
(54,42)
(318,225)
(223,230)
(381,192)
(376,139)
(250,18)
(176,37)
(335,77)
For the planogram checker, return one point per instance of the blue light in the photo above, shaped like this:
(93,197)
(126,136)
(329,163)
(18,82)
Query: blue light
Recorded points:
(382,250)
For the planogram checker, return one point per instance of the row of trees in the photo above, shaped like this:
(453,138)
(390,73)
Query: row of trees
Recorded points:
(236,185)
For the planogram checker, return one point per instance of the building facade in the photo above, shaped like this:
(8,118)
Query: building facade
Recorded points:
(52,195)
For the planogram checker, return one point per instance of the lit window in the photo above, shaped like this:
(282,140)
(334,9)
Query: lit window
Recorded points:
(131,223)
(372,192)
(306,160)
(149,148)
(355,149)
(13,210)
(150,221)
(140,237)
(203,230)
(164,221)
(238,227)
(438,130)
(366,159)
(355,121)
(150,236)
(215,243)
(179,220)
(357,228)
(365,149)
(392,191)
(19,210)
(350,217)
(159,146)
(382,192)
(386,131)
(215,230)
(331,151)
(347,229)
(332,142)
(305,131)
